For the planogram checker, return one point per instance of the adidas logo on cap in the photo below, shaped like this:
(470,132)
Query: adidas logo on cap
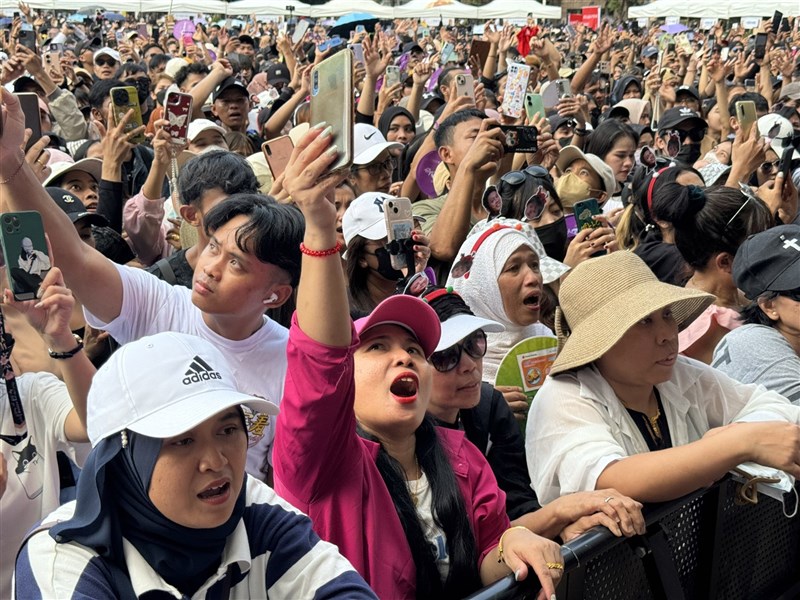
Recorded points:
(199,371)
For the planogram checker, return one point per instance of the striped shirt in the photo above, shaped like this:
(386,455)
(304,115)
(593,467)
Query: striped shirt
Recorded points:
(272,552)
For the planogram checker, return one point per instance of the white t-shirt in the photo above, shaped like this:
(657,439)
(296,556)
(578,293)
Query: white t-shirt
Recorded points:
(150,306)
(32,491)
(433,533)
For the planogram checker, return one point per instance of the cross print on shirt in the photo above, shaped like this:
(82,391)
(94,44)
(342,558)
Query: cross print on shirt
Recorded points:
(790,244)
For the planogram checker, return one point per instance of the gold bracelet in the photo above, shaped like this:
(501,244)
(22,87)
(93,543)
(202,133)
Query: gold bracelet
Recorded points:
(500,543)
(14,174)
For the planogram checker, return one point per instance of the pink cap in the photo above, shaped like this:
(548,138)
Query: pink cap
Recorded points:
(410,313)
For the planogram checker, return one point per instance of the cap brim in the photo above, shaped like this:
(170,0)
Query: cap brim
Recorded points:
(567,156)
(410,313)
(458,327)
(90,218)
(92,166)
(371,153)
(190,411)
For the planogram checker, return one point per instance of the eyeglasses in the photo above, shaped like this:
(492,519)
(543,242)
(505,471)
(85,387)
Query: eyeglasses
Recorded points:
(376,169)
(696,135)
(447,360)
(769,167)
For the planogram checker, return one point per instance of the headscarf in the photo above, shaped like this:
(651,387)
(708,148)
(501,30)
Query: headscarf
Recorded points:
(635,108)
(482,293)
(619,88)
(113,502)
(383,126)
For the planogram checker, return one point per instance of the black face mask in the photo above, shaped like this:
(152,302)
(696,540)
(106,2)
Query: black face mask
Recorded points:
(142,86)
(385,268)
(554,238)
(688,154)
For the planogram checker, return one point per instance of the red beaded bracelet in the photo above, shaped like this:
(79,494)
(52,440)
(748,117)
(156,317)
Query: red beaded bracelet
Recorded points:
(321,253)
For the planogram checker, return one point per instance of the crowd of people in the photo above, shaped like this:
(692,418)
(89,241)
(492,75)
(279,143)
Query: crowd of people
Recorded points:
(223,381)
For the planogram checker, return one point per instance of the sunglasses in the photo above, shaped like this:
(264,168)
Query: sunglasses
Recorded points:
(518,177)
(376,169)
(447,360)
(769,167)
(105,62)
(696,135)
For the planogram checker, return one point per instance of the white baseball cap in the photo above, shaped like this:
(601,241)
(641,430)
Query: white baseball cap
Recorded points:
(779,131)
(570,154)
(108,52)
(92,166)
(364,217)
(198,126)
(161,386)
(457,327)
(368,143)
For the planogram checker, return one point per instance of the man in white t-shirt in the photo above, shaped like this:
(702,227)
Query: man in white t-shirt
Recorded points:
(251,263)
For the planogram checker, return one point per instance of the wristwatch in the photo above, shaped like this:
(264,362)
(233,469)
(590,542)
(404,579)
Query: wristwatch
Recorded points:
(71,353)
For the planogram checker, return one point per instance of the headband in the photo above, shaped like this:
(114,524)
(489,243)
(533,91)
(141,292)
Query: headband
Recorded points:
(464,264)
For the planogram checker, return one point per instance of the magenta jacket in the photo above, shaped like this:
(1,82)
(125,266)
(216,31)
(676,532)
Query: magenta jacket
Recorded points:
(326,470)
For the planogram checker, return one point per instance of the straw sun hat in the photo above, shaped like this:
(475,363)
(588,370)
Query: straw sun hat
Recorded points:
(604,297)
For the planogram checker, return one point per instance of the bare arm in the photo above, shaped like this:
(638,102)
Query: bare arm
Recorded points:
(200,93)
(92,277)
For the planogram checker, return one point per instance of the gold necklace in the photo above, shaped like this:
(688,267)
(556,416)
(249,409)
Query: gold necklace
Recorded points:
(653,428)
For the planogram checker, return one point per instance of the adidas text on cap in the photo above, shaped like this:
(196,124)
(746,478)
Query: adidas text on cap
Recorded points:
(163,385)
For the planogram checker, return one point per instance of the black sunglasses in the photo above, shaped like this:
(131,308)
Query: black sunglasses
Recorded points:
(518,177)
(696,135)
(447,360)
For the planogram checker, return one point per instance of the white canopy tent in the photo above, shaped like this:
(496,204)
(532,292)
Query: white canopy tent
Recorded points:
(264,7)
(514,9)
(720,10)
(449,9)
(337,8)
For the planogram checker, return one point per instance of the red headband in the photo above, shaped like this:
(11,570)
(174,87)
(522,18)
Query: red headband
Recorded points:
(464,264)
(650,187)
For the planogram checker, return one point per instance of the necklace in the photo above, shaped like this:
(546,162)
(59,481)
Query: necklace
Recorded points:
(415,492)
(652,425)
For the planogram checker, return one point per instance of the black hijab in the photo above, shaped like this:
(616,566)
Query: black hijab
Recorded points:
(383,126)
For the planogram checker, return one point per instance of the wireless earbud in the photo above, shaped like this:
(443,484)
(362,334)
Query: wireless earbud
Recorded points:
(271,299)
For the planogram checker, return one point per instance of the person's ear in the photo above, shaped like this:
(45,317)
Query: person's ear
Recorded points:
(190,214)
(445,154)
(724,262)
(768,308)
(278,295)
(660,143)
(734,123)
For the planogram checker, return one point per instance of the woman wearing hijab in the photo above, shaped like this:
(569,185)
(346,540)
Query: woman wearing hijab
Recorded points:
(164,506)
(621,408)
(397,125)
(416,509)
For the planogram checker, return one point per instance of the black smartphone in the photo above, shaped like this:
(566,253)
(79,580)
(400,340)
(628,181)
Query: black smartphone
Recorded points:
(671,47)
(760,48)
(786,163)
(777,17)
(27,37)
(22,237)
(520,138)
(30,108)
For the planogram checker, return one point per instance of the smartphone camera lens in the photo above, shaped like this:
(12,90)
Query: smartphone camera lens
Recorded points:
(15,221)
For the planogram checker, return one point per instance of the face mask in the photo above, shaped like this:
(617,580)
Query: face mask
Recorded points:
(768,481)
(385,268)
(142,86)
(688,154)
(554,238)
(711,157)
(571,189)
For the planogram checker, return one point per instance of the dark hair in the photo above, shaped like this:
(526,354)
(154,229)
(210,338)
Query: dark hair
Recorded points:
(192,69)
(701,220)
(762,106)
(449,512)
(157,60)
(147,47)
(444,135)
(220,169)
(360,298)
(447,305)
(602,140)
(753,314)
(130,68)
(100,91)
(272,234)
(239,143)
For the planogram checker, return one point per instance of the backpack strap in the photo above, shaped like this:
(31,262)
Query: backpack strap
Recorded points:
(167,274)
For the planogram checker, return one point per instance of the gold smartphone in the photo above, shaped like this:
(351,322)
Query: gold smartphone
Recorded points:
(124,99)
(332,102)
(746,116)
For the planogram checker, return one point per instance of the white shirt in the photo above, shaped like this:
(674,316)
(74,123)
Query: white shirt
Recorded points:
(150,306)
(33,488)
(421,490)
(577,426)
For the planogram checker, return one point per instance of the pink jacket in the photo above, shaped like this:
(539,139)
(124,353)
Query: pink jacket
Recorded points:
(143,221)
(326,470)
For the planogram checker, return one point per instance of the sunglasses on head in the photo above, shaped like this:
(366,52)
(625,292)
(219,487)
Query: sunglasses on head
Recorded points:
(447,360)
(696,135)
(518,177)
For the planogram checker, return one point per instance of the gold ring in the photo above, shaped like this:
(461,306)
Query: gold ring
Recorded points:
(609,499)
(555,565)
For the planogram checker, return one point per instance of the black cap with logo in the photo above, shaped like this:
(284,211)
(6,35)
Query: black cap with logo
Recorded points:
(769,261)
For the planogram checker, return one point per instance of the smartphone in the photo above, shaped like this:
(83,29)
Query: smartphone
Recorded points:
(30,108)
(360,29)
(750,85)
(480,50)
(25,249)
(52,59)
(358,52)
(424,32)
(27,37)
(188,40)
(332,102)
(465,85)
(724,53)
(564,88)
(585,212)
(777,17)
(392,76)
(156,33)
(277,152)
(534,105)
(141,30)
(786,163)
(446,53)
(760,48)
(671,47)
(515,90)
(124,99)
(299,31)
(178,111)
(746,115)
(520,138)
(399,224)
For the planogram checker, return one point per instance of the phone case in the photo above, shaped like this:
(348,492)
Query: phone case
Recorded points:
(178,111)
(30,107)
(399,223)
(746,115)
(358,52)
(277,152)
(446,53)
(27,38)
(392,76)
(480,49)
(516,88)
(299,31)
(520,138)
(53,60)
(124,99)
(465,85)
(332,102)
(585,212)
(25,252)
(534,105)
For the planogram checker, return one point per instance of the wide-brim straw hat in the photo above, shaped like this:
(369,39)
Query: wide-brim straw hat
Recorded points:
(604,297)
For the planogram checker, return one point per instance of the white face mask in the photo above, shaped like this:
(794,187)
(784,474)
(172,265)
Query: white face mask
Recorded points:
(771,482)
(711,157)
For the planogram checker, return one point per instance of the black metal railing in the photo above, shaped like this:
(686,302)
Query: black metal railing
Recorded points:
(707,545)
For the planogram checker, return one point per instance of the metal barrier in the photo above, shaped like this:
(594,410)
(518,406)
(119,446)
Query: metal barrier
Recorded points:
(703,546)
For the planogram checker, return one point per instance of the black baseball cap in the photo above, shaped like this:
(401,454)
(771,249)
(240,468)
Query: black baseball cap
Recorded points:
(688,89)
(769,261)
(228,83)
(75,209)
(678,115)
(246,39)
(277,73)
